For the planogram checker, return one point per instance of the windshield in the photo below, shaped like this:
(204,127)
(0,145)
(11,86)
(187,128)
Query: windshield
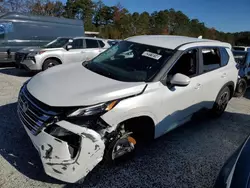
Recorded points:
(58,43)
(130,62)
(240,57)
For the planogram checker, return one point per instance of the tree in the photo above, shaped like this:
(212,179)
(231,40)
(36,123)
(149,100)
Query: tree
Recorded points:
(81,9)
(14,5)
(47,8)
(117,22)
(98,18)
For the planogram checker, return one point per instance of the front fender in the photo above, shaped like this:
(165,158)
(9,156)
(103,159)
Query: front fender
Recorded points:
(48,55)
(114,118)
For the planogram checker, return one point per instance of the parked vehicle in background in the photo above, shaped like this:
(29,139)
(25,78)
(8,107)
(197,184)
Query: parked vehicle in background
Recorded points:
(135,91)
(18,31)
(91,34)
(236,170)
(242,48)
(243,64)
(63,50)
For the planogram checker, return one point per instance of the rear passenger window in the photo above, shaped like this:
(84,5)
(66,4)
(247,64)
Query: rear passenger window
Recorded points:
(90,43)
(211,59)
(224,57)
(101,43)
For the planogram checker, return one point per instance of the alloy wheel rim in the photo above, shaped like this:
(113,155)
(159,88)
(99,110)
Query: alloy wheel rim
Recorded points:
(223,101)
(241,87)
(51,65)
(121,148)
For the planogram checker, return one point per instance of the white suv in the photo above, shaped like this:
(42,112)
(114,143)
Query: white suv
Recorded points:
(63,50)
(138,90)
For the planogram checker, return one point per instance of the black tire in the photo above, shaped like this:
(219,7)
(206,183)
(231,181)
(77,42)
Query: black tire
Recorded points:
(221,102)
(241,88)
(50,63)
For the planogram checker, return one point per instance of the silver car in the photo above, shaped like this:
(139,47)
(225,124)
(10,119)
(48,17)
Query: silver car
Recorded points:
(60,51)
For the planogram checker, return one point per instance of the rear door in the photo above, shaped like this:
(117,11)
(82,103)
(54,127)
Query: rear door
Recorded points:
(214,70)
(76,53)
(92,49)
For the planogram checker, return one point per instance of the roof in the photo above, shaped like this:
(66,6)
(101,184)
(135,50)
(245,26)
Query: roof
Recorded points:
(22,16)
(171,41)
(95,38)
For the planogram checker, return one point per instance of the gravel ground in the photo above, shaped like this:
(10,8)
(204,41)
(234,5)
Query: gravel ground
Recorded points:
(190,156)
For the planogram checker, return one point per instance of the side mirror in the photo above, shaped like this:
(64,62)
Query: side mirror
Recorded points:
(68,47)
(180,80)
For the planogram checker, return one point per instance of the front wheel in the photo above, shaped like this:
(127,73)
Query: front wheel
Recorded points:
(221,102)
(49,63)
(241,88)
(121,149)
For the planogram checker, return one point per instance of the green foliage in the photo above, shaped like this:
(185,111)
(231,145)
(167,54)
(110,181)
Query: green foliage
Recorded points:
(118,22)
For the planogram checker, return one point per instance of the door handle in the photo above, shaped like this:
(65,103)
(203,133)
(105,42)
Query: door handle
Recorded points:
(197,86)
(82,52)
(224,75)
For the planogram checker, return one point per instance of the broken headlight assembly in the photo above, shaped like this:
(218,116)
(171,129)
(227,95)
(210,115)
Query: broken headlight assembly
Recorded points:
(98,109)
(89,117)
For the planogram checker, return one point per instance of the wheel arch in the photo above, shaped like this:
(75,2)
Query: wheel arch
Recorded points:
(143,126)
(54,58)
(231,85)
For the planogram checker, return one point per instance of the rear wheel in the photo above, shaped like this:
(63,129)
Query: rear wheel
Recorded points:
(221,102)
(50,63)
(241,88)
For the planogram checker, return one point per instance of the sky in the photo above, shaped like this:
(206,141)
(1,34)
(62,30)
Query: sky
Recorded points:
(224,15)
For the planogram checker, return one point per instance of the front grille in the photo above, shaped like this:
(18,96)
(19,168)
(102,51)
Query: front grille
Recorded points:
(20,56)
(32,115)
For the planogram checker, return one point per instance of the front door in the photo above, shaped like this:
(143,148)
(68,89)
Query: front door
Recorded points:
(179,103)
(76,53)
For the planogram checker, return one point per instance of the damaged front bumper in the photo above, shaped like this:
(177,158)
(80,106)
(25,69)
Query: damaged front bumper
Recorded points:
(57,158)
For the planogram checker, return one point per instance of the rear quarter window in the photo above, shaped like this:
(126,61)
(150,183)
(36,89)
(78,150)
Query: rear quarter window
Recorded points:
(211,59)
(224,57)
(101,43)
(92,43)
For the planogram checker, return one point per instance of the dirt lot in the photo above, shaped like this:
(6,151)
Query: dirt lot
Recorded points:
(190,156)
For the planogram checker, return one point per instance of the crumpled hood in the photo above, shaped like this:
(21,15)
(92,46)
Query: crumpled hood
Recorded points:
(74,85)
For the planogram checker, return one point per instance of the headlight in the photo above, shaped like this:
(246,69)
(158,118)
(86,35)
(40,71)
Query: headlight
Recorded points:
(93,110)
(32,54)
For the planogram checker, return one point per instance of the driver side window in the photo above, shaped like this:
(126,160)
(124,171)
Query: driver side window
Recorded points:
(77,44)
(187,64)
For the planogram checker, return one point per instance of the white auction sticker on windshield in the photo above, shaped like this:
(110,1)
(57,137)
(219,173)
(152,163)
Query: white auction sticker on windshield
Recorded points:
(151,55)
